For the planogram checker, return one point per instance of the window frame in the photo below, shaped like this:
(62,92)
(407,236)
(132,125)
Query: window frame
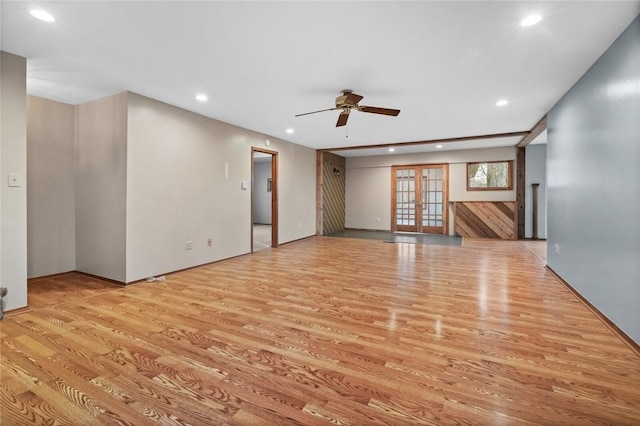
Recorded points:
(509,186)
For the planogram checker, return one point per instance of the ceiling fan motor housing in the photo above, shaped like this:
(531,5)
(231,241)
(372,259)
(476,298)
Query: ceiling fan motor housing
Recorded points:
(348,99)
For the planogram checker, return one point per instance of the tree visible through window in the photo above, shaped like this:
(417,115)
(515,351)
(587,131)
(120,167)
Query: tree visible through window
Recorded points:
(492,175)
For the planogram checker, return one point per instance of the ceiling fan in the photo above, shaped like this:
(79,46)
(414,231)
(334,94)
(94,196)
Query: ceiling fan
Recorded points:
(348,101)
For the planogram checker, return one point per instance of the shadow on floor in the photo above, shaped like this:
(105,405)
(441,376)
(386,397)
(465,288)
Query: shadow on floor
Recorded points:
(400,237)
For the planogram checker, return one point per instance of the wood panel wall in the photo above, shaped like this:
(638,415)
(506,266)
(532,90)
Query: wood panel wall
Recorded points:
(333,193)
(486,220)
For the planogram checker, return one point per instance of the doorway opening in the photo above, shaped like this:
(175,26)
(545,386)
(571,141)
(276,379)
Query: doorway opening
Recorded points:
(264,199)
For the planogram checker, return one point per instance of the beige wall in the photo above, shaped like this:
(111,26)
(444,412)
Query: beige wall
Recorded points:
(148,177)
(51,244)
(13,159)
(101,173)
(296,190)
(184,184)
(368,184)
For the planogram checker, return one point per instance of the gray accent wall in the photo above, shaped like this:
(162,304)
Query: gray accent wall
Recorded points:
(593,178)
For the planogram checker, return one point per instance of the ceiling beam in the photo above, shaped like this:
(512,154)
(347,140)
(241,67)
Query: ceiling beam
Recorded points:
(540,127)
(431,141)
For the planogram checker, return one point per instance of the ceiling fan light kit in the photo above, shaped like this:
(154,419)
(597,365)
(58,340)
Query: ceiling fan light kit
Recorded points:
(348,101)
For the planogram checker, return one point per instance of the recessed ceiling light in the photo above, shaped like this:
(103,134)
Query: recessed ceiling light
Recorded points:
(438,146)
(202,97)
(502,102)
(289,131)
(530,20)
(392,149)
(42,15)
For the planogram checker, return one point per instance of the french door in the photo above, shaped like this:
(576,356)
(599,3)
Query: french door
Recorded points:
(419,198)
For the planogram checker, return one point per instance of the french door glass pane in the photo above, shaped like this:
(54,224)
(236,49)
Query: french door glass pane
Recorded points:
(432,197)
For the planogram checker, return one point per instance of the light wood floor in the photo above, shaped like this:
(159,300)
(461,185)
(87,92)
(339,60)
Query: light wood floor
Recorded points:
(321,331)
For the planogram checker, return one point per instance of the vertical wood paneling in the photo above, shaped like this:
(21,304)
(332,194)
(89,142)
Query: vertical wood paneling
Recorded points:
(333,193)
(486,220)
(319,182)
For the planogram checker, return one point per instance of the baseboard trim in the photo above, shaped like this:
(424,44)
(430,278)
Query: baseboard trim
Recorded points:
(635,346)
(17,311)
(50,276)
(66,274)
(295,241)
(99,278)
(177,271)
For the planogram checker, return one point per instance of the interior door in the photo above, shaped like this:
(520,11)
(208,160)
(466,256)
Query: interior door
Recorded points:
(419,198)
(404,204)
(433,197)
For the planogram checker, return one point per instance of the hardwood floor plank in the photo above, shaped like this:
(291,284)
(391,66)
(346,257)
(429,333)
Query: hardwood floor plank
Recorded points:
(28,408)
(321,331)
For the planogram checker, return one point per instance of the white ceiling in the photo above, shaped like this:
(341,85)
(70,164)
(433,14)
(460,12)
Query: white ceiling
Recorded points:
(444,64)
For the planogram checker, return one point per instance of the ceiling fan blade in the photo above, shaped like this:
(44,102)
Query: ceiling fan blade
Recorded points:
(343,117)
(376,110)
(313,112)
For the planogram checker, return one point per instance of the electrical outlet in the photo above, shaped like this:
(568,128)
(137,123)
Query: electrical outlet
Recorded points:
(378,219)
(209,242)
(188,245)
(556,248)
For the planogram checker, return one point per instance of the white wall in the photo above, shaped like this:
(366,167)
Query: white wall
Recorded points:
(368,183)
(184,175)
(101,174)
(593,182)
(261,197)
(51,192)
(13,200)
(536,171)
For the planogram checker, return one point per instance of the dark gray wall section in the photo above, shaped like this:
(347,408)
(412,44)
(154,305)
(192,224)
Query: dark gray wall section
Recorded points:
(593,179)
(536,167)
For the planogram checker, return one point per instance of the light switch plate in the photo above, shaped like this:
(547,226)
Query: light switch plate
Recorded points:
(15,179)
(244,186)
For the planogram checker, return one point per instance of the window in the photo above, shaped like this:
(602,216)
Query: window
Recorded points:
(490,175)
